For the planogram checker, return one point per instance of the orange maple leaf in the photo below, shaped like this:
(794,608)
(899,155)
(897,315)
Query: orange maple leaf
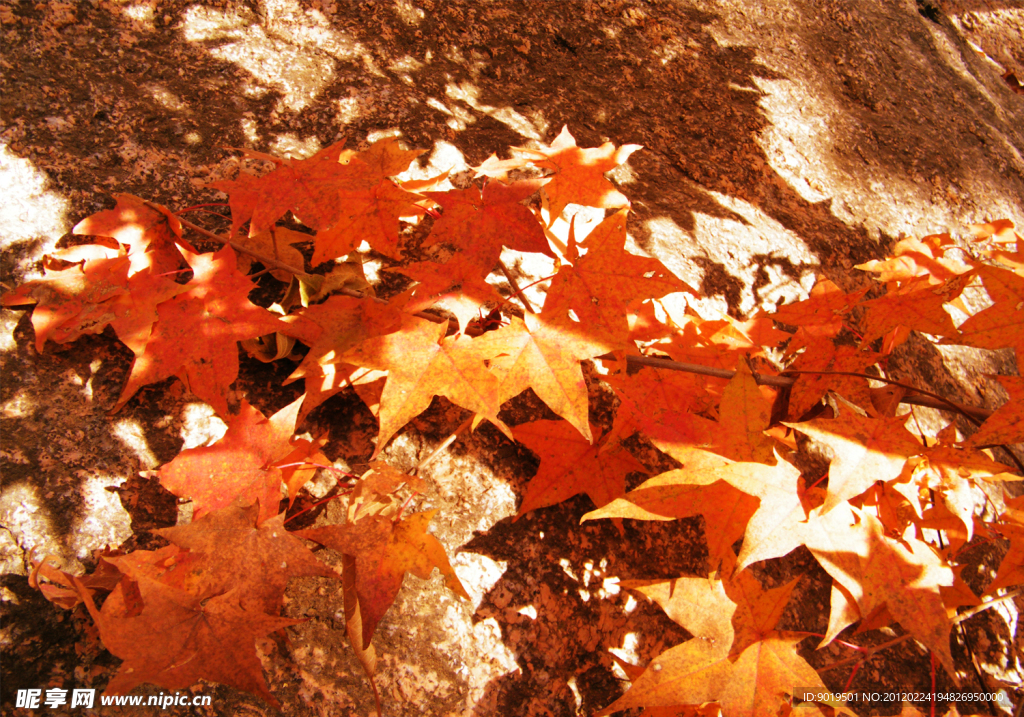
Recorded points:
(229,549)
(528,353)
(903,576)
(306,187)
(179,638)
(699,488)
(457,285)
(1000,325)
(818,317)
(570,465)
(662,405)
(422,363)
(238,466)
(384,551)
(917,306)
(825,356)
(344,322)
(743,418)
(915,258)
(66,299)
(197,332)
(601,284)
(579,173)
(151,232)
(759,682)
(370,204)
(479,223)
(275,243)
(865,450)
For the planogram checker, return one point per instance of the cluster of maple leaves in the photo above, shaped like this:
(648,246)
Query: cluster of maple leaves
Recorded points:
(887,522)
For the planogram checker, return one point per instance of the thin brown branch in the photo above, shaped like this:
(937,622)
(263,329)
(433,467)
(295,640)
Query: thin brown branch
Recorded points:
(444,444)
(515,287)
(920,397)
(968,614)
(265,260)
(870,652)
(975,415)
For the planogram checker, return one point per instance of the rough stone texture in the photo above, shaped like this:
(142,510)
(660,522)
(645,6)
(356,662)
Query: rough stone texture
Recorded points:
(784,140)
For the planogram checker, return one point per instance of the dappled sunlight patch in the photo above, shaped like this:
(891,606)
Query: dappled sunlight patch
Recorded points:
(200,425)
(32,217)
(295,66)
(131,433)
(103,521)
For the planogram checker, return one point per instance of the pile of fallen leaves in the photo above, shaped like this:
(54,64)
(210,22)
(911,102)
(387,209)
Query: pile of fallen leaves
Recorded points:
(732,401)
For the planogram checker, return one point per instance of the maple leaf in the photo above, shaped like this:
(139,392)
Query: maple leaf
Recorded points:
(239,465)
(699,488)
(759,682)
(371,204)
(479,222)
(423,363)
(865,450)
(826,356)
(229,550)
(700,605)
(529,353)
(151,232)
(663,406)
(1000,325)
(1011,526)
(579,173)
(903,576)
(820,317)
(384,551)
(306,187)
(917,305)
(458,285)
(954,472)
(744,416)
(1006,425)
(570,465)
(197,332)
(180,638)
(344,322)
(917,258)
(64,298)
(275,243)
(601,283)
(299,466)
(386,158)
(769,531)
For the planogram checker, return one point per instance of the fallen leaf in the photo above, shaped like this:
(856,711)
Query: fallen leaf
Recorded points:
(422,363)
(179,639)
(864,450)
(384,552)
(579,173)
(197,332)
(570,464)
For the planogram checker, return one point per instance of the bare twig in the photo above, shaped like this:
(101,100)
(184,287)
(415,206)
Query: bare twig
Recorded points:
(920,397)
(870,652)
(444,444)
(515,287)
(968,614)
